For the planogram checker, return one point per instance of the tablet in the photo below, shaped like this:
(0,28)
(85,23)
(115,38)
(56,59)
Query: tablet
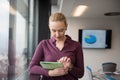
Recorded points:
(51,65)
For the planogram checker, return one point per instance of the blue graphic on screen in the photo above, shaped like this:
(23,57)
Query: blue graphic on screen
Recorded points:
(93,38)
(90,39)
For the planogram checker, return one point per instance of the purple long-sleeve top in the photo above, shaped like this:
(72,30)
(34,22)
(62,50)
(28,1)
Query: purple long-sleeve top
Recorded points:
(47,51)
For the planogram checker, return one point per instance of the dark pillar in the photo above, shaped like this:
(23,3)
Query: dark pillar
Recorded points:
(44,13)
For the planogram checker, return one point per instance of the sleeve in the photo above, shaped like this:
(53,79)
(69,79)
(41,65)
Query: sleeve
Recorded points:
(34,67)
(78,68)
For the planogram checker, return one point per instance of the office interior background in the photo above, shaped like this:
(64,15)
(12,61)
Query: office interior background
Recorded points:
(24,23)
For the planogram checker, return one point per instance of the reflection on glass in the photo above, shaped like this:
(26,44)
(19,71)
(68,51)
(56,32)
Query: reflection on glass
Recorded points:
(4,25)
(20,42)
(13,39)
(4,28)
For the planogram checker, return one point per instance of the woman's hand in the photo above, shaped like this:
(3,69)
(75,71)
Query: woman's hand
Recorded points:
(62,71)
(66,62)
(58,72)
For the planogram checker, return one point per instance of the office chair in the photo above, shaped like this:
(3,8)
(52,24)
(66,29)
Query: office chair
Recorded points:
(109,67)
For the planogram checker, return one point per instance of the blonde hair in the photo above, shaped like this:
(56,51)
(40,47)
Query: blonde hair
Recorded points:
(58,17)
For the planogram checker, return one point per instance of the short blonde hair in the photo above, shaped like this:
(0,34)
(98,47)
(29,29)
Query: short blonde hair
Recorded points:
(58,17)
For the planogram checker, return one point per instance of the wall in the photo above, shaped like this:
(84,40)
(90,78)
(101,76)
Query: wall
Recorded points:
(95,57)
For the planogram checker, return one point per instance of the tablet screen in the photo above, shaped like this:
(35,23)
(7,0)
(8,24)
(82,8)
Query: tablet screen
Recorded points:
(51,65)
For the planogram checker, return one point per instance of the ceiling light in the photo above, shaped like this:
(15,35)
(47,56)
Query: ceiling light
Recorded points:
(79,10)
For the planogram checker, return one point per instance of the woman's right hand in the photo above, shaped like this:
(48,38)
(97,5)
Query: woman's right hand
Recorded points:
(58,72)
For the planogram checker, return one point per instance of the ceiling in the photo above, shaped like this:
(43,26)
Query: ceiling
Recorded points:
(96,8)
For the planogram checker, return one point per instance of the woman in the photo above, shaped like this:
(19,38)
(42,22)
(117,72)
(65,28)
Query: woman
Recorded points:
(60,48)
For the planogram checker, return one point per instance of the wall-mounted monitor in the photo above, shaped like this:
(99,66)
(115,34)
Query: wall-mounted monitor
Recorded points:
(95,38)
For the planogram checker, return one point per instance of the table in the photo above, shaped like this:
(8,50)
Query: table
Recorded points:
(105,76)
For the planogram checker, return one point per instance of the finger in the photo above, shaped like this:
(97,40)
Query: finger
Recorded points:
(68,60)
(65,59)
(62,59)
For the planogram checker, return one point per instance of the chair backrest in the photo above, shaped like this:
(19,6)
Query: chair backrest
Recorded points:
(109,67)
(89,73)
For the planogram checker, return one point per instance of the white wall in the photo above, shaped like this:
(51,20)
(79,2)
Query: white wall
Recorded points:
(95,57)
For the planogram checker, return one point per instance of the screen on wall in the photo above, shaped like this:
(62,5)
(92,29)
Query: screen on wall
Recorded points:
(95,38)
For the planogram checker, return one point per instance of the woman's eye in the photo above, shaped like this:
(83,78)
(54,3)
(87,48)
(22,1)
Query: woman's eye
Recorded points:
(53,30)
(61,30)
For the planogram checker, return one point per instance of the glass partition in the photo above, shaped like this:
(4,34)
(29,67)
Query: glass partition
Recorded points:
(13,38)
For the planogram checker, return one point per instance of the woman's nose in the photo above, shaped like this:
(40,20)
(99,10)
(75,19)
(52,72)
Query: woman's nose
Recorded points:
(57,34)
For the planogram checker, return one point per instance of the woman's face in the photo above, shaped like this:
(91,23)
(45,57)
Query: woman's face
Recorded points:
(57,29)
